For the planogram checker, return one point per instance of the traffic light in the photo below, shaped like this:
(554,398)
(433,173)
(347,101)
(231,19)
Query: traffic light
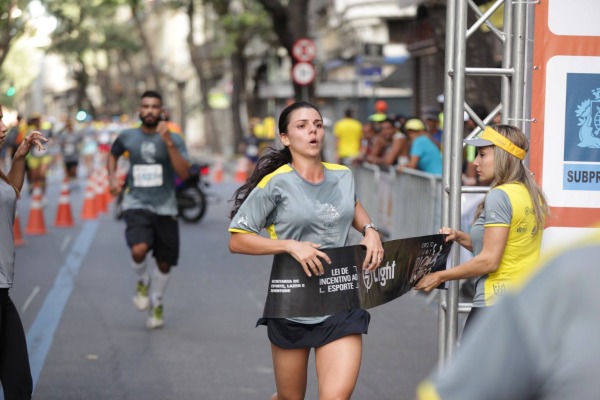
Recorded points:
(11,91)
(81,116)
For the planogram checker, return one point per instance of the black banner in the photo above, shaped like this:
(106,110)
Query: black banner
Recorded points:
(345,285)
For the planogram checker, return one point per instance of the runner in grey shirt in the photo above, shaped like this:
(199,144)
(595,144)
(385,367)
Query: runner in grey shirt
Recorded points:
(541,343)
(150,183)
(150,206)
(69,142)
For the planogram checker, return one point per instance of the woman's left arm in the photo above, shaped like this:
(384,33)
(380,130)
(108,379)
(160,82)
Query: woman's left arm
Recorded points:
(487,261)
(372,240)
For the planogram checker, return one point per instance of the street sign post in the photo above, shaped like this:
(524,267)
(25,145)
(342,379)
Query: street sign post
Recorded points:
(304,50)
(303,73)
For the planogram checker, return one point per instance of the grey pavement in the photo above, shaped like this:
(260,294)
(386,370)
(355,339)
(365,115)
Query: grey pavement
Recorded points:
(209,347)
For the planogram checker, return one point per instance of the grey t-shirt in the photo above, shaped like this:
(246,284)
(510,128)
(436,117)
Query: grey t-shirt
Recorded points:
(289,207)
(69,146)
(151,179)
(497,210)
(8,204)
(540,343)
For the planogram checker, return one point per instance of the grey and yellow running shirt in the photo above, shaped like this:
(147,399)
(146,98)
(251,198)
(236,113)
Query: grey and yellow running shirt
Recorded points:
(8,206)
(289,207)
(151,179)
(507,205)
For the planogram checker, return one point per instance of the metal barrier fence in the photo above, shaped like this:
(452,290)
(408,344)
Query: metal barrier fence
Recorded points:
(401,204)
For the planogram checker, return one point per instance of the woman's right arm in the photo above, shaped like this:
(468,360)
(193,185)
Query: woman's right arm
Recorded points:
(306,253)
(256,245)
(462,238)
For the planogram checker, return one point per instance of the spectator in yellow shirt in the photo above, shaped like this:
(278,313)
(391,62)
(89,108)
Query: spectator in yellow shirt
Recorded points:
(348,133)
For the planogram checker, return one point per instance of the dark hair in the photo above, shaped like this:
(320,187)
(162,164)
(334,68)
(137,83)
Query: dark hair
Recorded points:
(271,160)
(388,120)
(152,93)
(349,113)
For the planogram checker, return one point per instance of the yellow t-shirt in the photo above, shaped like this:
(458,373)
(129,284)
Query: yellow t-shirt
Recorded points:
(507,205)
(349,133)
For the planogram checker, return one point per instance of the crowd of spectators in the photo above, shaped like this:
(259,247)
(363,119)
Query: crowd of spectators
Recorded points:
(396,141)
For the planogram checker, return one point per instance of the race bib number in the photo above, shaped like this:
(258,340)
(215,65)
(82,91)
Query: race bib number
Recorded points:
(252,150)
(147,175)
(70,149)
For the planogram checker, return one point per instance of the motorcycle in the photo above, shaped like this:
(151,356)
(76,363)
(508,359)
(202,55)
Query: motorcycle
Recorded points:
(190,194)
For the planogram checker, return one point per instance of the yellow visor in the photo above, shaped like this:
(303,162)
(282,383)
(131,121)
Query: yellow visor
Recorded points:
(490,137)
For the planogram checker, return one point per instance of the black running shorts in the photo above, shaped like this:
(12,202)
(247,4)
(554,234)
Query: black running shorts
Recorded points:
(293,335)
(160,232)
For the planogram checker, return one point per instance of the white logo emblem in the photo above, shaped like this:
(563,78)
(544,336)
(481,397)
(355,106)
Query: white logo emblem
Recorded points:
(149,152)
(588,113)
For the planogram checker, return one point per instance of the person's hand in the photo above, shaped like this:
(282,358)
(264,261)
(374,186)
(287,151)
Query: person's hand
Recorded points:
(374,254)
(164,132)
(34,139)
(309,256)
(114,187)
(429,282)
(451,234)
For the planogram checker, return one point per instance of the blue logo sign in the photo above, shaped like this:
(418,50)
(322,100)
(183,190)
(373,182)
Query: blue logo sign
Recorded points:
(582,133)
(582,118)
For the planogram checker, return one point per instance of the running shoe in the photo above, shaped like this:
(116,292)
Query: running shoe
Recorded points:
(141,301)
(156,318)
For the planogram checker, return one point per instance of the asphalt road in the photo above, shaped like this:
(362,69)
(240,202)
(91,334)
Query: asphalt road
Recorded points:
(73,288)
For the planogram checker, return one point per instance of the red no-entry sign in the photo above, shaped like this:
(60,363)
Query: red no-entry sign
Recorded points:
(304,50)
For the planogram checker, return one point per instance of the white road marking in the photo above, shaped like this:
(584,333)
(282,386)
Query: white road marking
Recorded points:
(65,243)
(34,293)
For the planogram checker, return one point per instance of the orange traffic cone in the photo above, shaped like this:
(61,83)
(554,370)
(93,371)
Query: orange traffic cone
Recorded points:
(99,190)
(64,216)
(18,236)
(241,170)
(35,224)
(218,170)
(89,201)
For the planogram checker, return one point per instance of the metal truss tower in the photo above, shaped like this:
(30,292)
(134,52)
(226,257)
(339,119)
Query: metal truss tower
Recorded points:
(514,106)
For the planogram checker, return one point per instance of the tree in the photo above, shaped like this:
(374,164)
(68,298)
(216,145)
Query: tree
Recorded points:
(86,37)
(242,22)
(138,18)
(13,23)
(200,60)
(290,23)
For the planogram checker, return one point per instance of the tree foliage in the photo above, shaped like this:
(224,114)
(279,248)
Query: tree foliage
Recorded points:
(86,36)
(13,23)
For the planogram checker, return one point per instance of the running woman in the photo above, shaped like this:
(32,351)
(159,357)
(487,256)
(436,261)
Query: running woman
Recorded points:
(149,203)
(306,205)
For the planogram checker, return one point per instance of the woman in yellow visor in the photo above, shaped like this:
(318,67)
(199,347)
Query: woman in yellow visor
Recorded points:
(506,236)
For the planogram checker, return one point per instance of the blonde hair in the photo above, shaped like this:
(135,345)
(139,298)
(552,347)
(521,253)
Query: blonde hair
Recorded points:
(509,169)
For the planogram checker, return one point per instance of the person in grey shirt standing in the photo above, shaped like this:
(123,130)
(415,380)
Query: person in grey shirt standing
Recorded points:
(149,202)
(15,373)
